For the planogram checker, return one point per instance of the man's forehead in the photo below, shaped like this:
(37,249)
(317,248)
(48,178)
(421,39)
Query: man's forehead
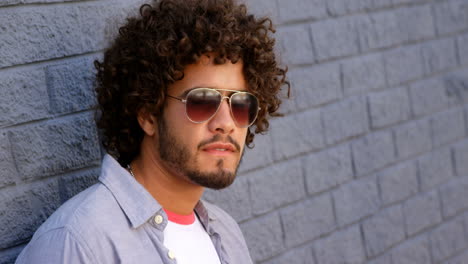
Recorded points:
(205,73)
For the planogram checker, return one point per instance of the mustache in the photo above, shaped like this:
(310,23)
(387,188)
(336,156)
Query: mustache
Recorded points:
(217,138)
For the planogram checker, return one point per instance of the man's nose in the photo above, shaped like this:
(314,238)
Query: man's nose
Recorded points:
(223,121)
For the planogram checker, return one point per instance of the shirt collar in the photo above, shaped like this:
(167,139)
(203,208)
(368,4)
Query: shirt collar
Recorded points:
(203,215)
(136,202)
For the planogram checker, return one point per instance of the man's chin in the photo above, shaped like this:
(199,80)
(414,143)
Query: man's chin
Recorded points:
(218,179)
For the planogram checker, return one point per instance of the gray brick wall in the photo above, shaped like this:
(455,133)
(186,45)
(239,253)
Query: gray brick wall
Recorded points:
(368,165)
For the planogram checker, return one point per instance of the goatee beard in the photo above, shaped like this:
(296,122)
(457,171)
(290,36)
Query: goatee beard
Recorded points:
(178,158)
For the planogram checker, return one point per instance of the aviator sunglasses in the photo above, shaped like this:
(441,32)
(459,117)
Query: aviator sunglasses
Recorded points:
(201,104)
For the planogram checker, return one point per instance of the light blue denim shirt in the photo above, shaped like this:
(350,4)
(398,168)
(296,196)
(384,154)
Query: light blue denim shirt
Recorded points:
(118,221)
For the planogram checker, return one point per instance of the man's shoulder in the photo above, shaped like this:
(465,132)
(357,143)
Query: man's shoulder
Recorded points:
(90,208)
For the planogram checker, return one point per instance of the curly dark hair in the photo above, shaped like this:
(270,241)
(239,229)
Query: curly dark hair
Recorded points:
(152,50)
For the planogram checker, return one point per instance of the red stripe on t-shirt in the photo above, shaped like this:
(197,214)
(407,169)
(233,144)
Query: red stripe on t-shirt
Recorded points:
(180,219)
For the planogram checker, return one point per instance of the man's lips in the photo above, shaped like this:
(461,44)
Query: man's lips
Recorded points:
(219,148)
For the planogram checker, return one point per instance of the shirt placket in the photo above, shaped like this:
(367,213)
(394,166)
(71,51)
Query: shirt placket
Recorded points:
(158,223)
(217,242)
(205,220)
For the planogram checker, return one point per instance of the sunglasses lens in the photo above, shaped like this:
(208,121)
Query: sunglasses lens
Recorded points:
(244,107)
(202,104)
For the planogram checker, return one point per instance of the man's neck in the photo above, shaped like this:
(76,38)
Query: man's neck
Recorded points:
(172,192)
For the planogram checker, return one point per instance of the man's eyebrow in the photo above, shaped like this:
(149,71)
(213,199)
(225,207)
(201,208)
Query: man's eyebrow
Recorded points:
(196,87)
(184,94)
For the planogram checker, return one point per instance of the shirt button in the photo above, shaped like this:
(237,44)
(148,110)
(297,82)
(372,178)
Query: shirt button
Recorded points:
(171,255)
(158,219)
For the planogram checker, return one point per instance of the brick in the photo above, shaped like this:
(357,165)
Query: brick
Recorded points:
(22,212)
(276,185)
(422,212)
(447,126)
(435,168)
(327,169)
(131,8)
(340,7)
(428,96)
(17,220)
(466,116)
(8,173)
(356,200)
(383,230)
(260,155)
(71,86)
(296,47)
(307,220)
(450,16)
(7,3)
(384,259)
(462,45)
(335,38)
(461,156)
(438,55)
(398,182)
(288,103)
(14,2)
(454,196)
(416,23)
(24,96)
(412,251)
(287,97)
(389,107)
(345,119)
(55,147)
(465,221)
(403,64)
(379,30)
(315,85)
(447,239)
(373,152)
(301,255)
(307,130)
(73,183)
(264,8)
(10,255)
(362,74)
(36,33)
(301,9)
(383,3)
(340,247)
(459,259)
(98,22)
(39,33)
(235,199)
(397,2)
(456,86)
(413,138)
(263,236)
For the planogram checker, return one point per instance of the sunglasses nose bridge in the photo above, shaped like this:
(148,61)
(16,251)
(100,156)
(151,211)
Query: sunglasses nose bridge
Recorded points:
(224,97)
(222,100)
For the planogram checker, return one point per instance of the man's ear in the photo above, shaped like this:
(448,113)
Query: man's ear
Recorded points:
(147,122)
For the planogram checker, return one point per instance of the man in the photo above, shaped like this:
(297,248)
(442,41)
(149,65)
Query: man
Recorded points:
(180,91)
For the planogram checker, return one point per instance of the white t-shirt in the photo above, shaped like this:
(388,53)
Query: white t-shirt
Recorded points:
(186,238)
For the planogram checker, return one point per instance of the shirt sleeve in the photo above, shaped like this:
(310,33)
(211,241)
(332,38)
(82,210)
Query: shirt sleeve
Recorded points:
(54,247)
